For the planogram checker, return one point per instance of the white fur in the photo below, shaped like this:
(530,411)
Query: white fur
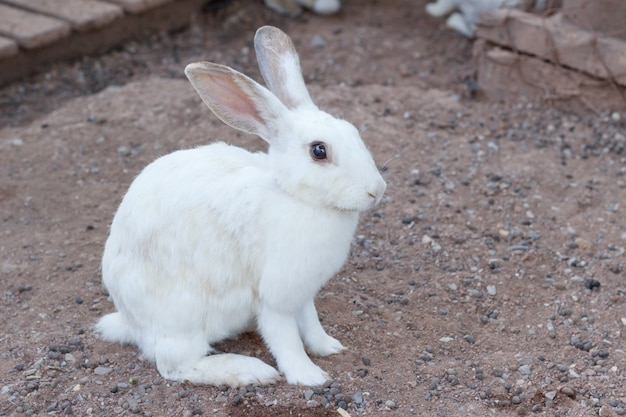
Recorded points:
(464,21)
(294,7)
(326,6)
(210,241)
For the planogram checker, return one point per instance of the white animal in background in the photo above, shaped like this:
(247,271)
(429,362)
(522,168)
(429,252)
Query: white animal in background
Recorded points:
(213,241)
(464,20)
(294,7)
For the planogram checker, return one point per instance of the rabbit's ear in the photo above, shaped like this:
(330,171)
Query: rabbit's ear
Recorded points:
(280,67)
(237,100)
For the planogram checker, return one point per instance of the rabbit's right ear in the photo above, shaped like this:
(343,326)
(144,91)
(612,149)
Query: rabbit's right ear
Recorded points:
(237,100)
(280,67)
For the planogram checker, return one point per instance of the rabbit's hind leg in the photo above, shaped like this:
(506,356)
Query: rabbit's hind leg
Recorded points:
(441,7)
(114,328)
(186,359)
(457,22)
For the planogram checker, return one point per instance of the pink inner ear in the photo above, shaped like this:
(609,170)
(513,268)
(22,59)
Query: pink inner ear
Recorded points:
(230,97)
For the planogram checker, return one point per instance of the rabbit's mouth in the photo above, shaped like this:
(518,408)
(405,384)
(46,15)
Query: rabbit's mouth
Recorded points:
(374,202)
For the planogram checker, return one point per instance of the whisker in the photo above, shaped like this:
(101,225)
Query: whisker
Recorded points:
(385,165)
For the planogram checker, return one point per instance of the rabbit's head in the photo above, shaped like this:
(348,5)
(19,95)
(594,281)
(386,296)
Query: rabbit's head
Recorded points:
(314,156)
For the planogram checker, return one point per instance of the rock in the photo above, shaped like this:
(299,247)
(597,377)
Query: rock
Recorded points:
(102,370)
(308,394)
(357,398)
(494,264)
(524,370)
(591,284)
(583,244)
(318,41)
(407,219)
(605,411)
(568,391)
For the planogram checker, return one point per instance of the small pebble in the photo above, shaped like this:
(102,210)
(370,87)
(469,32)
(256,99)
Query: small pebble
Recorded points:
(357,398)
(494,264)
(408,219)
(318,41)
(391,404)
(102,370)
(568,391)
(550,395)
(591,284)
(524,370)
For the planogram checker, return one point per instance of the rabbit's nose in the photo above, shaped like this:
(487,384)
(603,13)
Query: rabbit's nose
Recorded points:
(377,193)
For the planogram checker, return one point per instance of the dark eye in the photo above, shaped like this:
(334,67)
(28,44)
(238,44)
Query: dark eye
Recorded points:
(318,151)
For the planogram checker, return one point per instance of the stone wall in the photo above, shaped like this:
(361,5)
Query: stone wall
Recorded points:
(575,58)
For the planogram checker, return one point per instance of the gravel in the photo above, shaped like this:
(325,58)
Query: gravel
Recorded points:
(449,299)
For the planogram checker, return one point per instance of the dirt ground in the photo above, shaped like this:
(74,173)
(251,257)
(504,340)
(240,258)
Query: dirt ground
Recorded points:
(490,280)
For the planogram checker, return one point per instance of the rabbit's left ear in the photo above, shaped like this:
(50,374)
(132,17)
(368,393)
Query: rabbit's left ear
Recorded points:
(236,99)
(280,67)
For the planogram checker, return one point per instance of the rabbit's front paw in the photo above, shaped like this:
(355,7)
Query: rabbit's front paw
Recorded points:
(323,346)
(306,374)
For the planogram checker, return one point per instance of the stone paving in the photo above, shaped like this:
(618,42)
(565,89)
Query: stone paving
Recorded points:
(34,33)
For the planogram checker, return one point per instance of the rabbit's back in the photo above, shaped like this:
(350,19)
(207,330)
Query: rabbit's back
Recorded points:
(175,255)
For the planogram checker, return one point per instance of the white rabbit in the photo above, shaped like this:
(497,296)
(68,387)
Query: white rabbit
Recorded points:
(465,20)
(211,241)
(294,7)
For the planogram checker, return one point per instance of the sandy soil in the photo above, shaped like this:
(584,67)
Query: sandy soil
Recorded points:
(490,281)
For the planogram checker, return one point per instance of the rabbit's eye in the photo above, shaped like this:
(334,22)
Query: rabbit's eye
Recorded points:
(318,151)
